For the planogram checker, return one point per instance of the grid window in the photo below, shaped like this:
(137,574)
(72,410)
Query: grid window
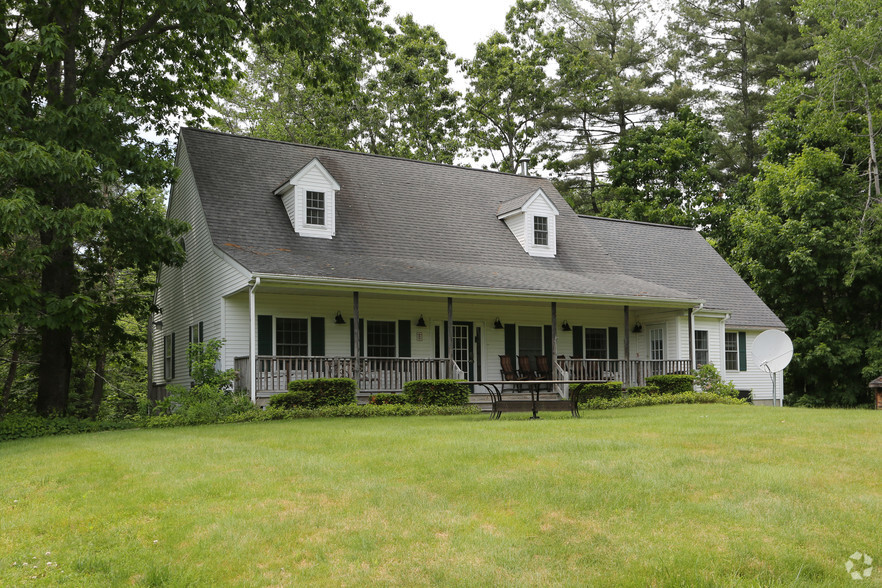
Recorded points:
(168,366)
(656,344)
(381,338)
(595,343)
(315,208)
(732,352)
(540,230)
(702,349)
(292,336)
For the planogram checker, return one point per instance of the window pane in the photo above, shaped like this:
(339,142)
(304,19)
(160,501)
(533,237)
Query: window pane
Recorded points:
(656,344)
(315,208)
(702,349)
(595,343)
(381,338)
(540,230)
(732,351)
(292,336)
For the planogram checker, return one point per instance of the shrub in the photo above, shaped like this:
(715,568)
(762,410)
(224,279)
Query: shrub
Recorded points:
(325,391)
(380,399)
(436,393)
(672,383)
(293,399)
(633,400)
(605,390)
(15,426)
(644,390)
(708,379)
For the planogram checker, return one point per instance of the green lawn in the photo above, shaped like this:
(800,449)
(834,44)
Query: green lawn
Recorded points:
(672,495)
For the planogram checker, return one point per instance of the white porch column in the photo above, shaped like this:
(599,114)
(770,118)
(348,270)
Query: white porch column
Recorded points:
(252,359)
(691,326)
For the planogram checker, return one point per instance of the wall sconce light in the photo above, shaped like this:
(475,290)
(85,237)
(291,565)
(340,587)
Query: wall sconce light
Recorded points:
(566,326)
(638,328)
(497,324)
(157,324)
(421,322)
(338,320)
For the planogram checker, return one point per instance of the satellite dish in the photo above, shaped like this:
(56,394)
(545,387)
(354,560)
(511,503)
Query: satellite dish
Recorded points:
(772,351)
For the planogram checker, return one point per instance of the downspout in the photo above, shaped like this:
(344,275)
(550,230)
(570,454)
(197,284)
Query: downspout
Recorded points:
(252,359)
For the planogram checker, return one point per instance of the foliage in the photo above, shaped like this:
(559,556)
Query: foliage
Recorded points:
(634,400)
(645,390)
(436,392)
(211,395)
(671,383)
(708,379)
(379,399)
(325,391)
(606,390)
(17,426)
(292,399)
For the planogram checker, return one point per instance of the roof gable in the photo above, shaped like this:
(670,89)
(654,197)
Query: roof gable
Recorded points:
(313,166)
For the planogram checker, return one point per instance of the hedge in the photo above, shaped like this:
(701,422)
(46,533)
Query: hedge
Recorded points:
(672,383)
(646,390)
(607,390)
(436,393)
(379,399)
(25,427)
(633,400)
(316,393)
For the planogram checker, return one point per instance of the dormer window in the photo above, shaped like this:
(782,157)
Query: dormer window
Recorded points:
(531,218)
(315,208)
(310,201)
(540,230)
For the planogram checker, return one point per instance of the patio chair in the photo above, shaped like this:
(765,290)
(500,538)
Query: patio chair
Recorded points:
(543,367)
(526,368)
(508,371)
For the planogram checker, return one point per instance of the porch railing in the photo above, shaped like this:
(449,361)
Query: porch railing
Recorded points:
(374,374)
(632,372)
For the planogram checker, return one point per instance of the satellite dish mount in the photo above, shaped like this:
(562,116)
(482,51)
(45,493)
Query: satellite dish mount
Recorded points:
(772,352)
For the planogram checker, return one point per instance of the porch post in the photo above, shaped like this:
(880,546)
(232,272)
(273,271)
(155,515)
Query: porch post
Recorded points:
(627,370)
(356,335)
(450,331)
(553,360)
(252,359)
(691,324)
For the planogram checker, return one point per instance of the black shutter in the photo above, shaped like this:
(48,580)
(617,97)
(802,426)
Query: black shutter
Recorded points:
(264,334)
(742,352)
(437,341)
(547,339)
(165,373)
(361,335)
(201,334)
(446,342)
(317,335)
(173,357)
(511,346)
(403,338)
(612,334)
(578,342)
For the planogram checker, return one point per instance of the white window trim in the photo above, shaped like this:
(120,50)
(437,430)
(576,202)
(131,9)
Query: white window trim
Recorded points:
(649,330)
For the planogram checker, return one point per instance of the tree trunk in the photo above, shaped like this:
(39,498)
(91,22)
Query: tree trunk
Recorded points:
(58,282)
(13,368)
(98,386)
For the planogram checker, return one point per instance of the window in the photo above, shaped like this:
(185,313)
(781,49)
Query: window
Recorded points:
(540,230)
(292,336)
(595,343)
(702,349)
(315,208)
(657,343)
(168,352)
(732,352)
(381,339)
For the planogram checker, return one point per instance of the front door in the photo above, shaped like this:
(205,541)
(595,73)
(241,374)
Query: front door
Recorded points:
(464,348)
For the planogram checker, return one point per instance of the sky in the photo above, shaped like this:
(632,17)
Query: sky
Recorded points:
(462,23)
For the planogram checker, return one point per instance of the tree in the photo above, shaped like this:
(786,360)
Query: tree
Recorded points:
(663,174)
(80,86)
(508,94)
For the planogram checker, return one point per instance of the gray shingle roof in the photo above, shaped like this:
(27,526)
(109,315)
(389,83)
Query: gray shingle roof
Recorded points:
(406,221)
(679,257)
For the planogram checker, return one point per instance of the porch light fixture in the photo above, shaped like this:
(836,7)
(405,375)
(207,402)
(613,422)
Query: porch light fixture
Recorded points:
(338,320)
(157,324)
(497,324)
(638,328)
(421,322)
(566,327)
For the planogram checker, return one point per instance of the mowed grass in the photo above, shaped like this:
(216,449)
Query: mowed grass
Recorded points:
(658,496)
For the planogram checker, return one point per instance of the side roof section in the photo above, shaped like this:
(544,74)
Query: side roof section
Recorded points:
(679,257)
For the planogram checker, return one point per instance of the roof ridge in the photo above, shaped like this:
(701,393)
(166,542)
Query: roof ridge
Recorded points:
(634,222)
(349,151)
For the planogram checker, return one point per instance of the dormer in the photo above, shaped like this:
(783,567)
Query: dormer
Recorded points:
(532,219)
(310,200)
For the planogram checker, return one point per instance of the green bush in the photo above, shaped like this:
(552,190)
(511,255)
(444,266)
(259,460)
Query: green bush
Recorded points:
(16,426)
(672,383)
(379,399)
(436,393)
(633,400)
(294,399)
(326,391)
(645,390)
(708,379)
(211,397)
(605,390)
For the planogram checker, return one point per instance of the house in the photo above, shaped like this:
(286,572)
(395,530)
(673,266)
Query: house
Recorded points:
(295,253)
